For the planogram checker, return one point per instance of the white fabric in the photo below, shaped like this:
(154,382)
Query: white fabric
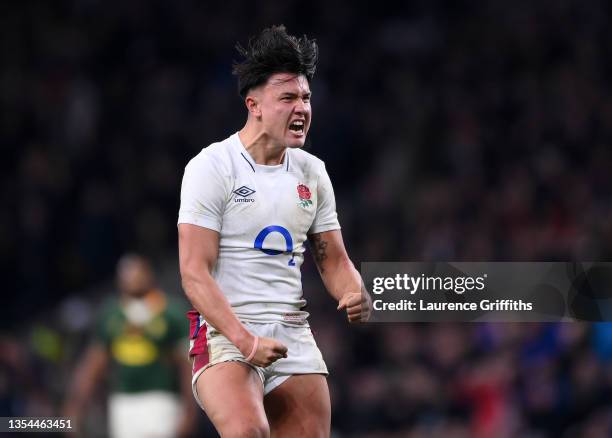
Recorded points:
(151,414)
(303,355)
(260,287)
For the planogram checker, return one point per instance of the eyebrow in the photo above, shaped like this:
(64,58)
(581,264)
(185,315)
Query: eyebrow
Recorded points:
(290,94)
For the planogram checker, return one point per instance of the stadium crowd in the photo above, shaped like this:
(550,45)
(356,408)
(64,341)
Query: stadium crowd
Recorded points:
(453,131)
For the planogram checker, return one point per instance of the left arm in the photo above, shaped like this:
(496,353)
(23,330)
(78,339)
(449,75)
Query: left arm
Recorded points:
(339,275)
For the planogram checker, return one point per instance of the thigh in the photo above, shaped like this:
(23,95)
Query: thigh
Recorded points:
(231,394)
(300,406)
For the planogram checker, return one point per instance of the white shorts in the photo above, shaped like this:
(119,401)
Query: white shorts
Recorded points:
(152,414)
(303,355)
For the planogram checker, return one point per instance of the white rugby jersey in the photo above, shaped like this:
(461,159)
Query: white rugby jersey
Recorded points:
(263,215)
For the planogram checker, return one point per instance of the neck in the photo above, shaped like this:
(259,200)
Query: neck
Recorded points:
(260,147)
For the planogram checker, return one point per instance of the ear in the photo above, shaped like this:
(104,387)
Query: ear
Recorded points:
(252,103)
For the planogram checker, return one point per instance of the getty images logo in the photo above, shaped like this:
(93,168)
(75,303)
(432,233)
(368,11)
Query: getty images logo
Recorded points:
(243,194)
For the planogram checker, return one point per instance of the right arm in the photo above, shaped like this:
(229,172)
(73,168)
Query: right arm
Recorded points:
(198,252)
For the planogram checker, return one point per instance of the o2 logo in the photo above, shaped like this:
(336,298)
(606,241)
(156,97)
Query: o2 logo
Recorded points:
(259,240)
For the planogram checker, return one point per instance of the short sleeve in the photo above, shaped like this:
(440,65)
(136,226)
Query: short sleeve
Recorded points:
(326,218)
(203,194)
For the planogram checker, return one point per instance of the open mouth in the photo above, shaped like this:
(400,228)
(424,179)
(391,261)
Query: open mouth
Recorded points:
(297,127)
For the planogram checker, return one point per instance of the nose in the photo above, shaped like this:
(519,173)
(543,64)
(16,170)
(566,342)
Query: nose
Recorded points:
(301,107)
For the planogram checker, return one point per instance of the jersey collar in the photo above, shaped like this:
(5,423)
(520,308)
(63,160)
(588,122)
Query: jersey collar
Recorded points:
(259,167)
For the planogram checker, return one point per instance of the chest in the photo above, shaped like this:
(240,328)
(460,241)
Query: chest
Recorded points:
(260,200)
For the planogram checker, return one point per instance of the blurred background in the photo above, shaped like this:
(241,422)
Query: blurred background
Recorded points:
(452,130)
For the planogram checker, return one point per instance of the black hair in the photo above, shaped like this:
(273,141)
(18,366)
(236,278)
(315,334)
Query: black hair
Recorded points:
(274,51)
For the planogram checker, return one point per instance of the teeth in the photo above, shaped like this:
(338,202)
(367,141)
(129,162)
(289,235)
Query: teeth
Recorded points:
(298,125)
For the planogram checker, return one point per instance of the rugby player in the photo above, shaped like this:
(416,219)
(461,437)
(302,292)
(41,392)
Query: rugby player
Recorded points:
(139,342)
(248,205)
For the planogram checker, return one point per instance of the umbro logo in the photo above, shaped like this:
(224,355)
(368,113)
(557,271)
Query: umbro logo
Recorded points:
(244,192)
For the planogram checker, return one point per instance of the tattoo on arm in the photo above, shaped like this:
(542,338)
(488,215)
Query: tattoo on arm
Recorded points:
(319,251)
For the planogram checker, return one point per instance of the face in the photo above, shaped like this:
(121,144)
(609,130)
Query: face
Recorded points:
(283,107)
(134,277)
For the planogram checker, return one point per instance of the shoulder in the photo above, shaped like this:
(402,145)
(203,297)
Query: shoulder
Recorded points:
(307,162)
(216,156)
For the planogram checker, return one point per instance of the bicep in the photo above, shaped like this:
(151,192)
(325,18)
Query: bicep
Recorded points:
(198,249)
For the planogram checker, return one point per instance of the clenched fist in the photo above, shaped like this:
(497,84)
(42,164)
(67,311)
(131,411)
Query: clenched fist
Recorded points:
(358,306)
(266,351)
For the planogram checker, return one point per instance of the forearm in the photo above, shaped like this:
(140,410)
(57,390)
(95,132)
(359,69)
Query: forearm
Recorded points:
(86,379)
(198,251)
(209,301)
(339,275)
(341,278)
(336,268)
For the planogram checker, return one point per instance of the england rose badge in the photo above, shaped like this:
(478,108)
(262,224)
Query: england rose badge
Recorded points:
(305,195)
